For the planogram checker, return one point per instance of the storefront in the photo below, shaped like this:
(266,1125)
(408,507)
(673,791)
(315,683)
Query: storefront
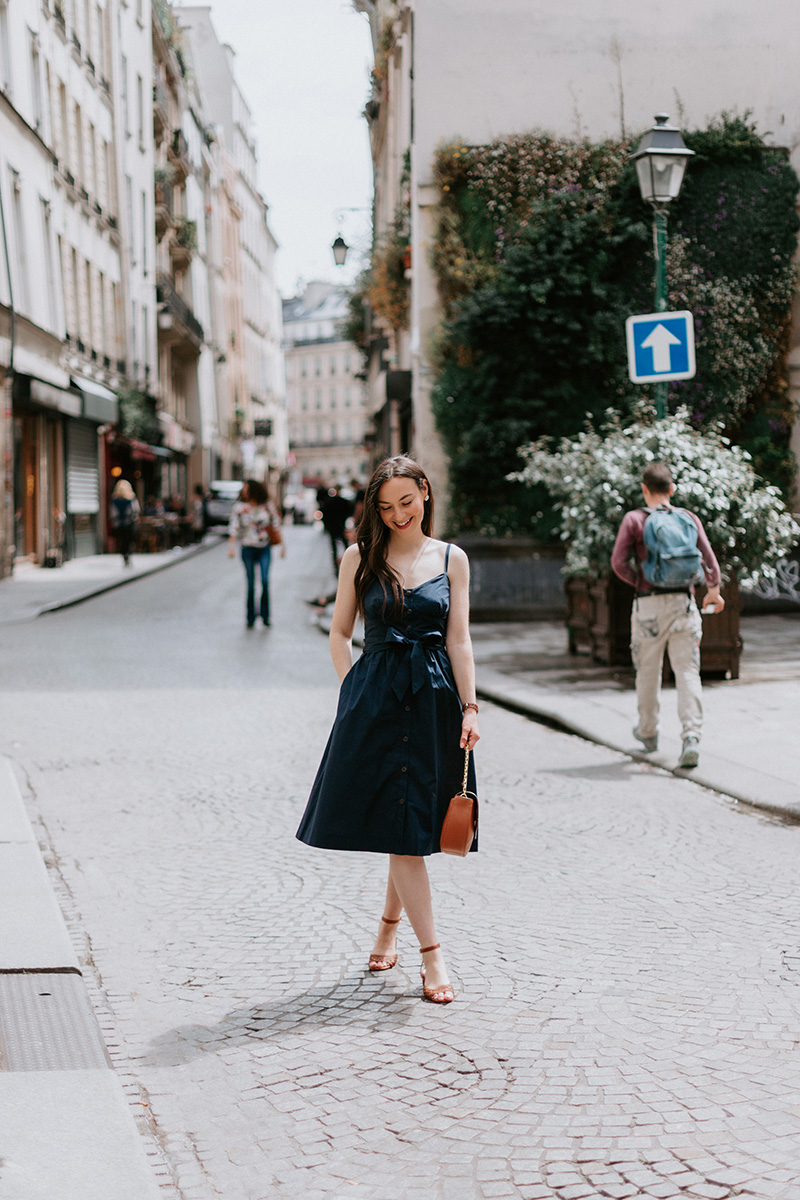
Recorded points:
(59,498)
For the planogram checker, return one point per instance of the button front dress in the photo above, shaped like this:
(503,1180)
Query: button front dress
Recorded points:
(393,759)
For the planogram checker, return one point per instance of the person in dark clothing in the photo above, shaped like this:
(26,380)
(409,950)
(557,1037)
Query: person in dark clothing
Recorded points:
(335,513)
(124,515)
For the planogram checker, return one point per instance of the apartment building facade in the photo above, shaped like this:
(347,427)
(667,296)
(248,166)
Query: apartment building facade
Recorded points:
(140,325)
(328,420)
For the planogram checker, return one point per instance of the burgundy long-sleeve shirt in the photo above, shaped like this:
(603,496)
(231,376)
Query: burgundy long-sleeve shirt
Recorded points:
(629,549)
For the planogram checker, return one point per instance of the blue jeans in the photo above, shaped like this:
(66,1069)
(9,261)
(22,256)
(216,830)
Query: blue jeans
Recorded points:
(250,556)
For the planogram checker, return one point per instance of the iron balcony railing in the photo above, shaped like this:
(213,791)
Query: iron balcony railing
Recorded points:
(176,305)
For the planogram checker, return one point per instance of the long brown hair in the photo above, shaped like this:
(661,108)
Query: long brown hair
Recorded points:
(373,535)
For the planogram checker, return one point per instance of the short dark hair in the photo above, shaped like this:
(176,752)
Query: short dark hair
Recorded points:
(657,478)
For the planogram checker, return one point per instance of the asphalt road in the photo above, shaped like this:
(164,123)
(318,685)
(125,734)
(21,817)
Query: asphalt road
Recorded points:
(624,947)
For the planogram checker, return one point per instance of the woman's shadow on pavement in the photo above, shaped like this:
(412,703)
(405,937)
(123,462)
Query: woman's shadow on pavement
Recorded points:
(353,1001)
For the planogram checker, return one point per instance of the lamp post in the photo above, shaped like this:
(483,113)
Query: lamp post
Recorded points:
(661,159)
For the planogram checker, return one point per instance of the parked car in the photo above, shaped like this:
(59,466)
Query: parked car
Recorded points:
(222,495)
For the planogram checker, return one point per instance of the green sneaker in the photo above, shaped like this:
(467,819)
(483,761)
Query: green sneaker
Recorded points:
(690,753)
(650,743)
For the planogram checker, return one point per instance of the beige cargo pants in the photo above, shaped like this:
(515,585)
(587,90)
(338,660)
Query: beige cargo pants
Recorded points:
(668,622)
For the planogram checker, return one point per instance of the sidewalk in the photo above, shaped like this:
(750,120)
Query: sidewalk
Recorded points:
(32,591)
(750,749)
(55,1074)
(66,1127)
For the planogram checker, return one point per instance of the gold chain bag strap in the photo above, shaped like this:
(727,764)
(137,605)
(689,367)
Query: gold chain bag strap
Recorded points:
(461,822)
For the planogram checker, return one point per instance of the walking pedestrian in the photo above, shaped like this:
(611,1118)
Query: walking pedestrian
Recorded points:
(124,516)
(335,512)
(406,710)
(662,552)
(199,513)
(256,525)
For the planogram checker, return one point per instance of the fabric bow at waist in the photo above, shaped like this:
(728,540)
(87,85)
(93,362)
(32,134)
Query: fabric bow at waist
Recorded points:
(412,667)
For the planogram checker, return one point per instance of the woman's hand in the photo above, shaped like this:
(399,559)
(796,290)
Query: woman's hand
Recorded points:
(231,549)
(469,730)
(283,549)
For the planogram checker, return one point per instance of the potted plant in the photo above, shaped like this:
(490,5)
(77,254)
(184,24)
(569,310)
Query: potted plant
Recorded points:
(594,479)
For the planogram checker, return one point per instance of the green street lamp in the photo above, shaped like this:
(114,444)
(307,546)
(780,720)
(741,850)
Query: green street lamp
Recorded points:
(661,159)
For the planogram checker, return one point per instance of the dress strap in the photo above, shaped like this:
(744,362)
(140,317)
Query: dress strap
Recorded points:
(447,558)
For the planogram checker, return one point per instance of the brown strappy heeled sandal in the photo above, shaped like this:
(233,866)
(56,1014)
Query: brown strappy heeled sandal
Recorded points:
(383,962)
(438,995)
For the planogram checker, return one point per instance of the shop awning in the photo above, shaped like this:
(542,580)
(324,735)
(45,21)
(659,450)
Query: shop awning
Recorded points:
(62,400)
(143,450)
(99,403)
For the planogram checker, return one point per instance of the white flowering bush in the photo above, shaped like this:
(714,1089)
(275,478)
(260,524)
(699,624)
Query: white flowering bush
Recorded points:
(595,479)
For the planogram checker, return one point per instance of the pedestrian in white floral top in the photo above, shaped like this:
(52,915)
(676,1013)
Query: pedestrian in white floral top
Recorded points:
(255,524)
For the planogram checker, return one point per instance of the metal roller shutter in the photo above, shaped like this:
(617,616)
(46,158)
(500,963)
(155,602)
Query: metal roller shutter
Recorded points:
(83,478)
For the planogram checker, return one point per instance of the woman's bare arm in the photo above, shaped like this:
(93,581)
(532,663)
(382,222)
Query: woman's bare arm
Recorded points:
(459,643)
(344,614)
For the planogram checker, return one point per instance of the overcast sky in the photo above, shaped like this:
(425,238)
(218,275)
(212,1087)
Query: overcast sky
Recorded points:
(303,66)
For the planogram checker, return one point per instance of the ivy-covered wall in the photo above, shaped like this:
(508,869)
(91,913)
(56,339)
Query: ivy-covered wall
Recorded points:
(543,247)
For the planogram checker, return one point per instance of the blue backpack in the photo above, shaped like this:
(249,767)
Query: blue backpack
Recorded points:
(670,539)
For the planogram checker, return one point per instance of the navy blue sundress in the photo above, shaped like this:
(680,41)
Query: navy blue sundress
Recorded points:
(393,761)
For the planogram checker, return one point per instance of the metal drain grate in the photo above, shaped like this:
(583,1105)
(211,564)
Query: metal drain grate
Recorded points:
(47,1024)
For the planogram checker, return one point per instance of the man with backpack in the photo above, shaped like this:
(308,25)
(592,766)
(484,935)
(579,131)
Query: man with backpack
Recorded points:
(663,552)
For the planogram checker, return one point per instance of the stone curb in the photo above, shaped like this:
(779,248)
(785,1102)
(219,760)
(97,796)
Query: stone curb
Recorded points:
(65,1133)
(97,589)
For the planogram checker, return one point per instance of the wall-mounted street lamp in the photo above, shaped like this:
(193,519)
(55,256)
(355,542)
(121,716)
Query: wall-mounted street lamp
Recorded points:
(340,248)
(661,159)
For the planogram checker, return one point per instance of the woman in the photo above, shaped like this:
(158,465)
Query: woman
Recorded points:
(396,752)
(124,516)
(252,517)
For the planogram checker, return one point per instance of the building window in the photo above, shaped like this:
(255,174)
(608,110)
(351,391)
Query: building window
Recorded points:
(91,159)
(80,168)
(126,108)
(348,397)
(333,397)
(333,364)
(101,41)
(140,110)
(317,366)
(5,49)
(63,144)
(144,232)
(36,82)
(129,218)
(318,398)
(47,234)
(304,399)
(20,242)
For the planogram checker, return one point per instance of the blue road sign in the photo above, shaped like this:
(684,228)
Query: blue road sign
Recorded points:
(660,347)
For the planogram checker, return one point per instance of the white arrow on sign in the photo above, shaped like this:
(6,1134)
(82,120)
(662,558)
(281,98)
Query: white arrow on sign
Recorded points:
(659,341)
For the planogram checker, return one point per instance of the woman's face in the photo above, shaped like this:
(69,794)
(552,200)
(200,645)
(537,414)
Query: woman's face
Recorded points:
(401,504)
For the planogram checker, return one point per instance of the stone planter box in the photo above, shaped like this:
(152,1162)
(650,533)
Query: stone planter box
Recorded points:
(599,623)
(513,579)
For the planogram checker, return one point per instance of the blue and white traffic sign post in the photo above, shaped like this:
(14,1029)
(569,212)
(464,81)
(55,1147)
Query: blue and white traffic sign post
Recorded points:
(660,347)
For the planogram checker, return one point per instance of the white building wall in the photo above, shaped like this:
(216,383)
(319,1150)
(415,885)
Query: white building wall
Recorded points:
(130,52)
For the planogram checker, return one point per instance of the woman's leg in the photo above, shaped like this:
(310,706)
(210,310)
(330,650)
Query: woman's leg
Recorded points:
(250,572)
(386,940)
(264,562)
(409,876)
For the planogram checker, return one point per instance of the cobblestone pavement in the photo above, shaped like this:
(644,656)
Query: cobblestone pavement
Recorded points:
(624,947)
